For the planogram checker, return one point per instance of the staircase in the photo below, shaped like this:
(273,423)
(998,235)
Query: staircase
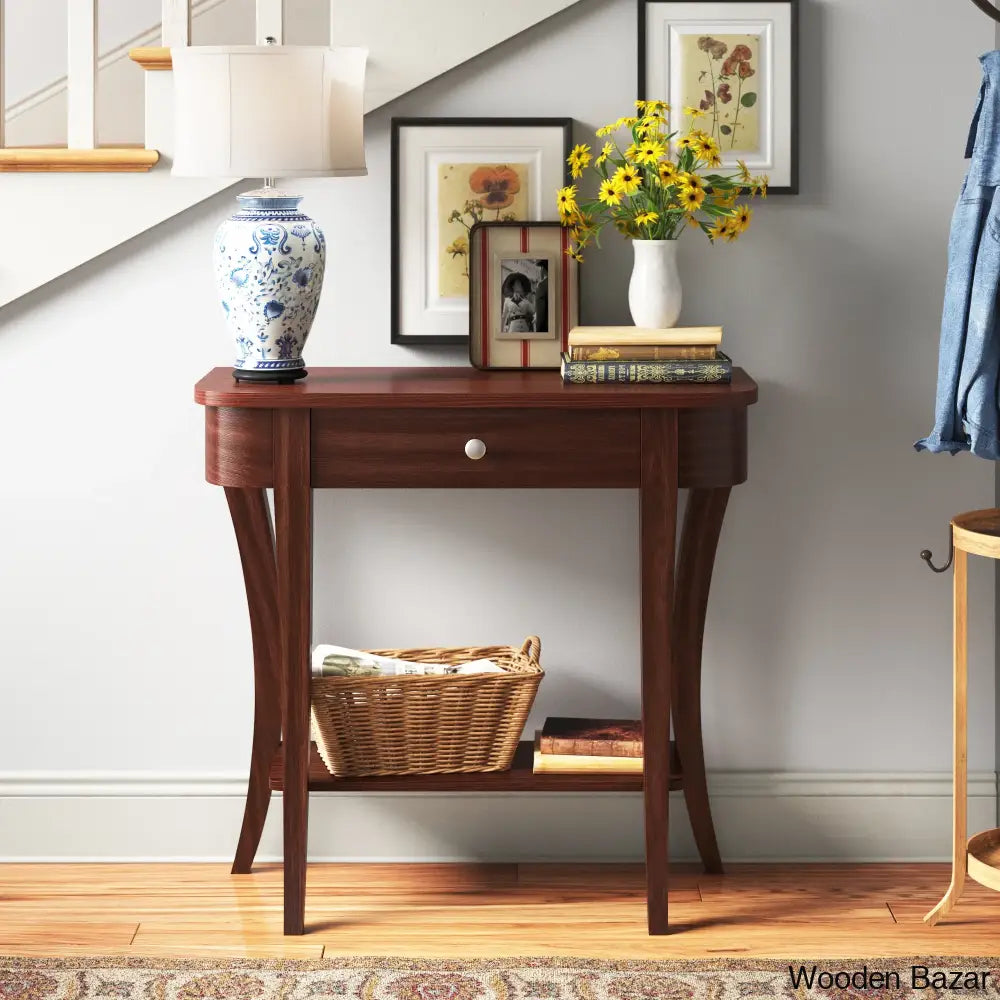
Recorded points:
(108,194)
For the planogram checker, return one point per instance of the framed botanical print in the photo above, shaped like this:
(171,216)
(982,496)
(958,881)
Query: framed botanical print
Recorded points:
(447,175)
(736,62)
(523,294)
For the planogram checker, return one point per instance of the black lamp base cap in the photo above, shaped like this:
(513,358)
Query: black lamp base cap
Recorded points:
(286,377)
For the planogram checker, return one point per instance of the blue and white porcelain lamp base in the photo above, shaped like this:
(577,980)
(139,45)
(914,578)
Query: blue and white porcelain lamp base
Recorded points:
(269,263)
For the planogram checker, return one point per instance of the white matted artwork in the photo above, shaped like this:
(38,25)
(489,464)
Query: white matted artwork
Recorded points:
(447,176)
(736,62)
(524,294)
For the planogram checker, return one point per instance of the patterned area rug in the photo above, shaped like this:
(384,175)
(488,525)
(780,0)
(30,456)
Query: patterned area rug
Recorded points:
(125,978)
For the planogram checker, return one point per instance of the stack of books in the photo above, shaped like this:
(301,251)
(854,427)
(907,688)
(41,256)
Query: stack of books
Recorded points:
(633,354)
(583,746)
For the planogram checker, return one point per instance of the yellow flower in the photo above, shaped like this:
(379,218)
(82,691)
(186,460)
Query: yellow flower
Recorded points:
(640,105)
(458,247)
(692,181)
(626,122)
(649,152)
(732,232)
(719,230)
(657,107)
(687,142)
(606,150)
(575,254)
(650,126)
(708,149)
(646,218)
(605,130)
(691,198)
(632,151)
(760,185)
(667,171)
(744,170)
(693,222)
(626,179)
(742,218)
(694,113)
(566,199)
(579,159)
(725,197)
(609,194)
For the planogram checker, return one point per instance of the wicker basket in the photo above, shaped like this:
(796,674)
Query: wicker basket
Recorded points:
(427,725)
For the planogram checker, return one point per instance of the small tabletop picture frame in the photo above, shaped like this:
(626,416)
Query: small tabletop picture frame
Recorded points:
(446,175)
(737,62)
(524,294)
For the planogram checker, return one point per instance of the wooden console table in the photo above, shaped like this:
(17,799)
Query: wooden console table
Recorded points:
(410,427)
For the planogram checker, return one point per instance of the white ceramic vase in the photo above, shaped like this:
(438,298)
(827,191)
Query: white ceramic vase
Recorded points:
(654,293)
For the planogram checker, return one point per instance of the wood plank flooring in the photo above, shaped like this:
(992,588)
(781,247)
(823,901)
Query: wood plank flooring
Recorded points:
(458,911)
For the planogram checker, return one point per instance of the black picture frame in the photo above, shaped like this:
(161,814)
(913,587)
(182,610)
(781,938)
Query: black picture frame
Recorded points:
(396,126)
(793,186)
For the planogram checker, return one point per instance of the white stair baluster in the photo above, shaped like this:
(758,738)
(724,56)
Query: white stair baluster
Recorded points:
(81,76)
(270,21)
(175,30)
(3,71)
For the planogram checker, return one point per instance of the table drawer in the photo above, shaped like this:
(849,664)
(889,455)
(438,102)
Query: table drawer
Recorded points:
(427,448)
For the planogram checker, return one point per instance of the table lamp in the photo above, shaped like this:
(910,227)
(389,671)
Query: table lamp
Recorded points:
(269,111)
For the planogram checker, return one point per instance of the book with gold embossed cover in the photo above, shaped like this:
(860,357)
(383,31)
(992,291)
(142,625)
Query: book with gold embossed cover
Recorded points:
(719,369)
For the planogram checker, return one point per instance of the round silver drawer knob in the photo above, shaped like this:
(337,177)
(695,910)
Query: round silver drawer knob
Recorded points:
(475,449)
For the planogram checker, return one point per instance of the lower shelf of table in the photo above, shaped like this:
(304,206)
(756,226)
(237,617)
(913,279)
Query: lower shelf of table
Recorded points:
(520,778)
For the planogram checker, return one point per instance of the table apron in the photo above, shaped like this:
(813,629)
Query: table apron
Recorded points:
(537,447)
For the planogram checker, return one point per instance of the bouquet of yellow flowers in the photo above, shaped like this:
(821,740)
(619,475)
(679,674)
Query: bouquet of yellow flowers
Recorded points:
(658,185)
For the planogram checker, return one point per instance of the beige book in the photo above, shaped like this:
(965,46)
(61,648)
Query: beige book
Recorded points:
(565,763)
(612,336)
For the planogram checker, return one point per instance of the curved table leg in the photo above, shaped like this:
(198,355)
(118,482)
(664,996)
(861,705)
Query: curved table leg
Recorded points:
(255,538)
(706,509)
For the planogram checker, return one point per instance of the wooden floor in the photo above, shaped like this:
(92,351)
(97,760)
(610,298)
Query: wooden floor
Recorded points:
(460,911)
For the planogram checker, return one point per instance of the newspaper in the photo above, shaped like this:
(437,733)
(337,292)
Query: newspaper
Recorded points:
(339,661)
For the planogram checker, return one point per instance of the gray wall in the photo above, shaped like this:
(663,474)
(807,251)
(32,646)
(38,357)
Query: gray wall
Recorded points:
(124,639)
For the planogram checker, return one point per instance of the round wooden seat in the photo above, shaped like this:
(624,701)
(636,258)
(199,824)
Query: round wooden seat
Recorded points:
(978,532)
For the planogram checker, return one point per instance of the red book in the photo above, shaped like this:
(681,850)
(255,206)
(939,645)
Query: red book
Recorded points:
(592,737)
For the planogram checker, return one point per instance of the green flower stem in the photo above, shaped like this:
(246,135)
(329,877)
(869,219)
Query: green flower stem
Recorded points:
(715,100)
(739,98)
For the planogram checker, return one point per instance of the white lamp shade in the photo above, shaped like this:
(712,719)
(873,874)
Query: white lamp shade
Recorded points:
(268,111)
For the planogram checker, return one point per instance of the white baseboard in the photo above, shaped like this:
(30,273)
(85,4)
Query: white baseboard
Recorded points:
(759,816)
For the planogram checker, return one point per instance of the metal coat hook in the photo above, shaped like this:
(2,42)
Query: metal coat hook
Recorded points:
(927,555)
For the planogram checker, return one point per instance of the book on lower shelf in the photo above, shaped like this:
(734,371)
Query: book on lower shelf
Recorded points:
(717,370)
(585,746)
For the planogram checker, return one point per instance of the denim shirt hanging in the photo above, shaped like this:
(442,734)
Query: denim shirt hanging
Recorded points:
(967,409)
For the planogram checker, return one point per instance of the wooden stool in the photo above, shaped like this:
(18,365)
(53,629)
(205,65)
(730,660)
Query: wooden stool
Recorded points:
(978,532)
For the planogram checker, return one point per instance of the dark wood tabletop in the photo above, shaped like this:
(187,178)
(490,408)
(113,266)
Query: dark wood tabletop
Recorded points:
(460,386)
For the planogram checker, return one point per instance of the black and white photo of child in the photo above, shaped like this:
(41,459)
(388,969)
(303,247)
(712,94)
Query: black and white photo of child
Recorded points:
(524,297)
